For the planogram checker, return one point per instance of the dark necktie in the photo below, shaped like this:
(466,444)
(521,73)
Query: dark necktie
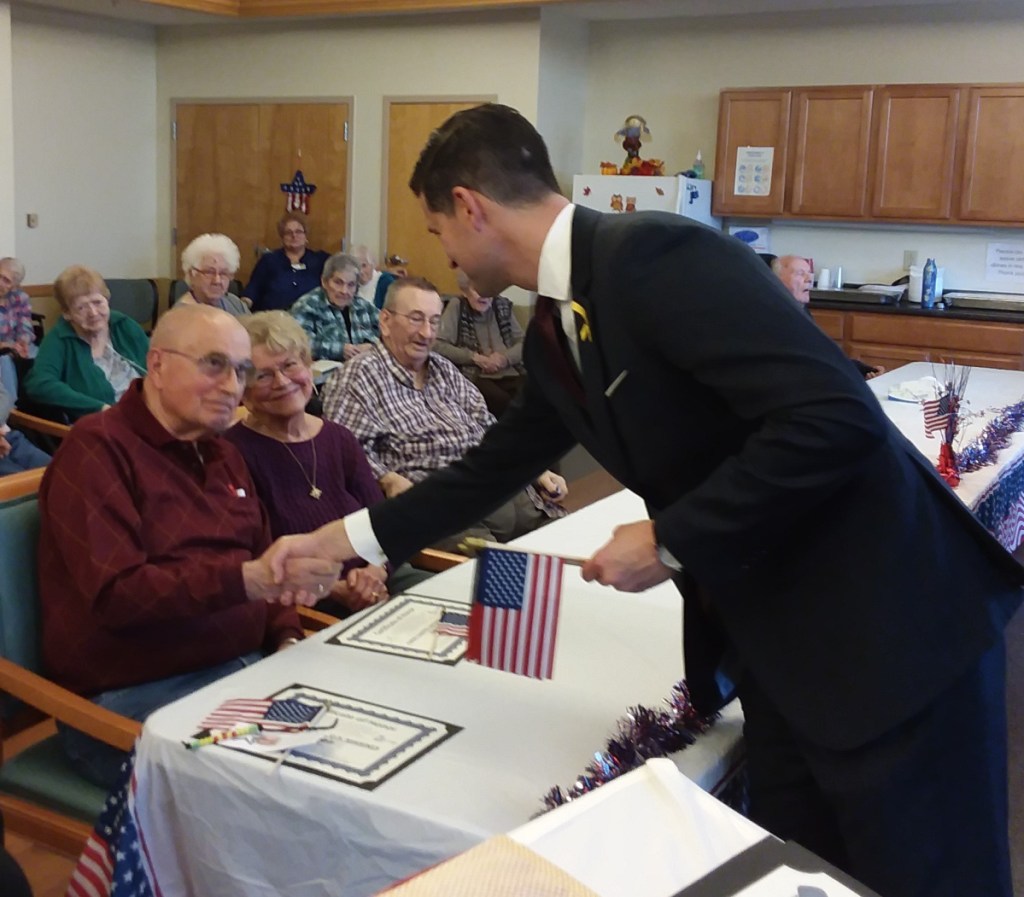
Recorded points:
(557,348)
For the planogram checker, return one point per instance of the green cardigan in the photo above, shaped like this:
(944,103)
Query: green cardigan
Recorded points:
(64,374)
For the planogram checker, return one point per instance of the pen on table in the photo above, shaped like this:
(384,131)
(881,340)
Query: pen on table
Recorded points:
(221,735)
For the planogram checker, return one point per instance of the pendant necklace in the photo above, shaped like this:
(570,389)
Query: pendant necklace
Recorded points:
(314,490)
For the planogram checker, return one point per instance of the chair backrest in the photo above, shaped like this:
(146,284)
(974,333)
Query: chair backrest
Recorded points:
(135,297)
(19,533)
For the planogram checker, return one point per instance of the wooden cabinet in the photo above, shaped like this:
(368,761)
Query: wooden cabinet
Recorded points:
(892,340)
(993,172)
(751,118)
(915,141)
(829,146)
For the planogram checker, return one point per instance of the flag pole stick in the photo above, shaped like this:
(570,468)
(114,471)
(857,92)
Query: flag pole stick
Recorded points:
(475,544)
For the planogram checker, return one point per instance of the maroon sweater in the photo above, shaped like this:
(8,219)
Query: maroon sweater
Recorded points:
(140,554)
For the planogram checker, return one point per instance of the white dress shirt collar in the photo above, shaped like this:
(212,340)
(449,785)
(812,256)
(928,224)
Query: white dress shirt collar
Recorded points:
(554,276)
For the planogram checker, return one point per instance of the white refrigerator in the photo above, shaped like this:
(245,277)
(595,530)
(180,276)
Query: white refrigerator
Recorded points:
(635,193)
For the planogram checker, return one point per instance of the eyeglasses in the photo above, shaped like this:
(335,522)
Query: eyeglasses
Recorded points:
(265,377)
(292,232)
(213,273)
(216,365)
(418,319)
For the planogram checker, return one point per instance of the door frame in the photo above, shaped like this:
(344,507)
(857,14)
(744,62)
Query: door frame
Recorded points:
(385,142)
(175,253)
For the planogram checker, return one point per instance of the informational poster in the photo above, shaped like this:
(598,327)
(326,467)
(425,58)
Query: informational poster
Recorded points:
(1004,262)
(757,238)
(754,170)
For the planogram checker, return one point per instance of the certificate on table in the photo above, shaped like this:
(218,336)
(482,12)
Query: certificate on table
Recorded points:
(355,741)
(407,626)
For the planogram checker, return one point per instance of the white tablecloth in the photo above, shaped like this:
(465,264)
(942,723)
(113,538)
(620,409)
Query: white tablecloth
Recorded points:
(217,822)
(992,492)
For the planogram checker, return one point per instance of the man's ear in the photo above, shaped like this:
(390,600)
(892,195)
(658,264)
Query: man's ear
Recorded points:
(469,206)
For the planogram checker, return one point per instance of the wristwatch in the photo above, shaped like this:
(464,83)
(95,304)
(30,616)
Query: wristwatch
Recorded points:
(667,558)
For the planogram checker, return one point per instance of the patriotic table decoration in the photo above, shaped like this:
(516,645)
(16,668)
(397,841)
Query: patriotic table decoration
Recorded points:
(453,624)
(513,624)
(287,715)
(942,415)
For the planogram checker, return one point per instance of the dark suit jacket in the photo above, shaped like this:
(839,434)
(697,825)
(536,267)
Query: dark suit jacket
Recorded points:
(853,584)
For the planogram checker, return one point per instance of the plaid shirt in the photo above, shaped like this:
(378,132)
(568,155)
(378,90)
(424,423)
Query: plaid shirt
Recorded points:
(325,323)
(403,429)
(16,317)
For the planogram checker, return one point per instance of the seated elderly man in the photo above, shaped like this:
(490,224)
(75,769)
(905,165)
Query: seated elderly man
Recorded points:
(482,336)
(795,273)
(373,283)
(16,452)
(150,577)
(414,413)
(339,323)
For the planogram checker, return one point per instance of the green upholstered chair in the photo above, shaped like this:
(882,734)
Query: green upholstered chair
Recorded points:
(41,796)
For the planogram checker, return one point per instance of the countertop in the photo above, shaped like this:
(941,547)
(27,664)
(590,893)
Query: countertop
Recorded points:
(819,303)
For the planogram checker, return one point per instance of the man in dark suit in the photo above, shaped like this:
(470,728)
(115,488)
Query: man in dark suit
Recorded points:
(829,574)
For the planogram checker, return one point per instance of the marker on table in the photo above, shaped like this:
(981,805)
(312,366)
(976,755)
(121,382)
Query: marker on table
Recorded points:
(222,735)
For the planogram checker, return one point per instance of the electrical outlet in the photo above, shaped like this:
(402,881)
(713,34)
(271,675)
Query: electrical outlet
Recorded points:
(32,219)
(909,258)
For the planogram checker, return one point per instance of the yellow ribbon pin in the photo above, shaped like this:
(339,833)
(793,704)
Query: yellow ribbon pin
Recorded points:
(585,333)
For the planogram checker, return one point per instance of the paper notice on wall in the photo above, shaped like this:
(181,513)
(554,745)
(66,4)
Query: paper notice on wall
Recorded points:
(757,238)
(1004,261)
(753,170)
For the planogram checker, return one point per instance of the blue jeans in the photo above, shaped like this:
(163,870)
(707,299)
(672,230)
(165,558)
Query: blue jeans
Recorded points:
(100,763)
(22,456)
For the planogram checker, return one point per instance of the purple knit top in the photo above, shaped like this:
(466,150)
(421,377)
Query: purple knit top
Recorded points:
(283,481)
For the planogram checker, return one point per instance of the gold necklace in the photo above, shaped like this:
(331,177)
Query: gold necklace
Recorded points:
(314,491)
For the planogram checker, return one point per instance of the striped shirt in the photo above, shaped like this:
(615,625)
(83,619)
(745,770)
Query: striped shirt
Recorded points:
(403,429)
(326,325)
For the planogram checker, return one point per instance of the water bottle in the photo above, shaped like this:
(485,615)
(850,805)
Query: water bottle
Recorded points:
(698,166)
(928,284)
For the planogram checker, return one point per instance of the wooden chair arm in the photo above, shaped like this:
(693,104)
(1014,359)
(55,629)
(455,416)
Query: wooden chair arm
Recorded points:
(314,620)
(24,421)
(17,485)
(74,710)
(435,560)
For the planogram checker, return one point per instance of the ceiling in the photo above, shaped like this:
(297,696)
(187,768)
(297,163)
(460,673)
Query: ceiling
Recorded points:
(184,12)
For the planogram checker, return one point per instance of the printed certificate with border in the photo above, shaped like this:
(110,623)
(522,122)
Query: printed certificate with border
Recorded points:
(406,625)
(355,741)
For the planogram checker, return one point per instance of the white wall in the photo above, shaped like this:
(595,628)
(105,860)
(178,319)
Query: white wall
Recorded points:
(7,246)
(671,71)
(84,143)
(436,56)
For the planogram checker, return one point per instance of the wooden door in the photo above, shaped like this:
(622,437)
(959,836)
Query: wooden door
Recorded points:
(830,139)
(230,162)
(915,136)
(992,187)
(751,118)
(408,125)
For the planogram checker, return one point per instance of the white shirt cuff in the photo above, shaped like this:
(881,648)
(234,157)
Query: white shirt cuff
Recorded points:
(364,541)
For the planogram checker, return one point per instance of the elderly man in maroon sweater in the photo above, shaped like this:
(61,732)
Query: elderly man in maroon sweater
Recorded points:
(150,576)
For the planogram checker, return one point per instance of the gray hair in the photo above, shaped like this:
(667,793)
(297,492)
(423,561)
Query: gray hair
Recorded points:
(210,244)
(340,261)
(401,283)
(16,268)
(364,254)
(278,331)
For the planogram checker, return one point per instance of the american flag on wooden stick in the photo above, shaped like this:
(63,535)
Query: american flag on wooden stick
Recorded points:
(284,715)
(513,624)
(936,414)
(454,624)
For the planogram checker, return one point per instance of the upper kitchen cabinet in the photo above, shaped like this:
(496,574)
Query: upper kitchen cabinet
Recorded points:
(751,122)
(915,140)
(830,141)
(993,172)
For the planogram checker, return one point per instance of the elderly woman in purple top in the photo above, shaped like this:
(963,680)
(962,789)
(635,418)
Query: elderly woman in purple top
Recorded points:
(307,471)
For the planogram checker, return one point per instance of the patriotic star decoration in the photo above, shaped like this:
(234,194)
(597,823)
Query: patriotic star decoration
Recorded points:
(298,193)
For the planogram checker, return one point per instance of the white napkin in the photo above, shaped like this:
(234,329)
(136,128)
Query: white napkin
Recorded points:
(916,390)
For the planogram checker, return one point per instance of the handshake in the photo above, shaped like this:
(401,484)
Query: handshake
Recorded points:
(300,569)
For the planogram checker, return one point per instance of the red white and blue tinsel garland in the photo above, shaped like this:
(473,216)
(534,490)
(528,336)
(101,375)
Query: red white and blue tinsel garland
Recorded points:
(996,436)
(640,735)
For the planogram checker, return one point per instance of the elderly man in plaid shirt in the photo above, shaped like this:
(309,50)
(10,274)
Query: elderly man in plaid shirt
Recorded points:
(340,324)
(413,412)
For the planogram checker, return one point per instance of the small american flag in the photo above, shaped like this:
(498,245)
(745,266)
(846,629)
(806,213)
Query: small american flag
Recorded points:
(453,624)
(284,715)
(513,623)
(113,862)
(936,414)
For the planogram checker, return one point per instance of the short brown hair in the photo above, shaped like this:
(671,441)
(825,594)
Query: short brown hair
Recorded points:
(78,280)
(297,217)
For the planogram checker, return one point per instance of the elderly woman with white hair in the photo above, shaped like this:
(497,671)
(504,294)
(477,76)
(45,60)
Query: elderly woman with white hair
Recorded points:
(209,263)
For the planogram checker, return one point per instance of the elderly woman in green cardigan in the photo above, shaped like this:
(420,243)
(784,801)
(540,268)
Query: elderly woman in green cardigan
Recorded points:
(86,362)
